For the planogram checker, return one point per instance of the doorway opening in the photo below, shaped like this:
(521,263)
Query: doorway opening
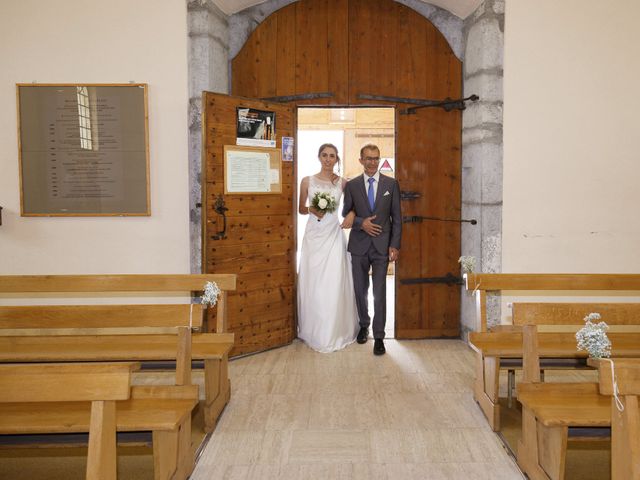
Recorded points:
(349,129)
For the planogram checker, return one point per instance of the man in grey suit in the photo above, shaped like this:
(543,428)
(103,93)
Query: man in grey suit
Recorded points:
(374,240)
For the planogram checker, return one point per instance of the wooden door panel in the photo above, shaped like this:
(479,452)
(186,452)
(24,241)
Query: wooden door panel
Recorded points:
(250,257)
(255,229)
(265,280)
(245,205)
(259,245)
(430,140)
(253,342)
(312,62)
(257,313)
(338,67)
(413,51)
(268,295)
(376,47)
(286,49)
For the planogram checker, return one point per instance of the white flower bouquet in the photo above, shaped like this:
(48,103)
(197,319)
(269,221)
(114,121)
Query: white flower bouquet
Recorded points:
(211,293)
(323,201)
(593,337)
(468,263)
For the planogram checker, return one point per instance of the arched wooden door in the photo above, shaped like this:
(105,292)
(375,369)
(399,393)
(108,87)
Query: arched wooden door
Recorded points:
(352,48)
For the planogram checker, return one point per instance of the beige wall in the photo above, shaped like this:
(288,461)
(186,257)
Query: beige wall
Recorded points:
(571,162)
(571,131)
(99,42)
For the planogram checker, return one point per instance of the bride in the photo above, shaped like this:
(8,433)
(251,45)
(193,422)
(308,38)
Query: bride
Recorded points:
(327,315)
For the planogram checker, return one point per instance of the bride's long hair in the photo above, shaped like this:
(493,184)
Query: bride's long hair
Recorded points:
(331,145)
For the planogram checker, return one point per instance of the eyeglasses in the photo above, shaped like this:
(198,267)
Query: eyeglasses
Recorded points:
(372,159)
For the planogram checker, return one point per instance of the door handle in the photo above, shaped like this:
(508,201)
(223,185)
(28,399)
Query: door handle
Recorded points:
(220,209)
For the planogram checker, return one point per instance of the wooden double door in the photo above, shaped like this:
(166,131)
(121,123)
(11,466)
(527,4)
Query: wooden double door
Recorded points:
(351,51)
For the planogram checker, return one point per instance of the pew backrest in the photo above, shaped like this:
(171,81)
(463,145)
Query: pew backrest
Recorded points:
(569,317)
(62,382)
(129,283)
(63,317)
(481,283)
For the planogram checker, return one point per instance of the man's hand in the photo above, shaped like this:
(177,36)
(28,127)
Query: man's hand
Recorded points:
(371,228)
(394,253)
(348,220)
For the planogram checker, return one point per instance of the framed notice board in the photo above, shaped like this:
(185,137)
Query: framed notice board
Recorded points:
(252,170)
(83,149)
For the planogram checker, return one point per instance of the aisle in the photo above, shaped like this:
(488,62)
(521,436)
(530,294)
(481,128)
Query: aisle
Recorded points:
(297,414)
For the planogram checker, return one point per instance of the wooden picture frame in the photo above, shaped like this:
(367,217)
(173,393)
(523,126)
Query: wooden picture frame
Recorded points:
(83,149)
(254,170)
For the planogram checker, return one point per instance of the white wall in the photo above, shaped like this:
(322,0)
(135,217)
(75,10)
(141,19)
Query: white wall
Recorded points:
(571,131)
(90,41)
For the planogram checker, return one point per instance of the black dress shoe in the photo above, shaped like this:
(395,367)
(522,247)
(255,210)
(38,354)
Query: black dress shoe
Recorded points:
(363,334)
(378,347)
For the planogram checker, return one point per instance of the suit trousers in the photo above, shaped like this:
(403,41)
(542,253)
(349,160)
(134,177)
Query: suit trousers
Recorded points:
(360,265)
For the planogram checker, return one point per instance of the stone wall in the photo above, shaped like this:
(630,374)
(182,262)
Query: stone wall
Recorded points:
(482,150)
(208,71)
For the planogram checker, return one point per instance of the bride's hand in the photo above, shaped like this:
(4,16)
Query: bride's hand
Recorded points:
(317,213)
(348,220)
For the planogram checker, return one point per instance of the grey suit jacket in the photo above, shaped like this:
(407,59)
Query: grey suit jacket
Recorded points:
(386,210)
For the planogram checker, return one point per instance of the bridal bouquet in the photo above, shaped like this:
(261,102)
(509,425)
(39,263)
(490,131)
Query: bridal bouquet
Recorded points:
(324,202)
(593,337)
(468,263)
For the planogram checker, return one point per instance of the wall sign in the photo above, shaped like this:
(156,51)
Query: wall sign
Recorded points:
(83,149)
(252,170)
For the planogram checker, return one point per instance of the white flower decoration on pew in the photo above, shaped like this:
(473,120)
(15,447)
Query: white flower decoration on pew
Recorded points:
(468,263)
(593,337)
(210,294)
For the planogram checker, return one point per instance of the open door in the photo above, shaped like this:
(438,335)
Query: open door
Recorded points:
(428,169)
(258,243)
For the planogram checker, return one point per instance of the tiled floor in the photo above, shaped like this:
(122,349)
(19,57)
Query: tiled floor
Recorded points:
(298,414)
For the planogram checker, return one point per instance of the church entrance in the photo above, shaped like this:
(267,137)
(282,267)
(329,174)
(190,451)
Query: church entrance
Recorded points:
(342,53)
(348,129)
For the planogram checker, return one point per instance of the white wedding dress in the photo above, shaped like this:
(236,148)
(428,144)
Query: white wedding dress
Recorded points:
(327,315)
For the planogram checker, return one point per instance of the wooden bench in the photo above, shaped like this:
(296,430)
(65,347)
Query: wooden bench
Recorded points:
(549,410)
(98,398)
(115,332)
(625,424)
(501,346)
(99,333)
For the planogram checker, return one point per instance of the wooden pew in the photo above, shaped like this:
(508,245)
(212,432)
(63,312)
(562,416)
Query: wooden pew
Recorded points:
(98,333)
(625,424)
(494,346)
(24,389)
(549,410)
(23,329)
(97,398)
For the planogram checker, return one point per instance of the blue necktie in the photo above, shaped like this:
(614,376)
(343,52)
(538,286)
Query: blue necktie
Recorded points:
(370,194)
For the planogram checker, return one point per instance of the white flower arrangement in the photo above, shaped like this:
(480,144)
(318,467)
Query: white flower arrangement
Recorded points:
(468,263)
(593,338)
(324,201)
(211,293)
